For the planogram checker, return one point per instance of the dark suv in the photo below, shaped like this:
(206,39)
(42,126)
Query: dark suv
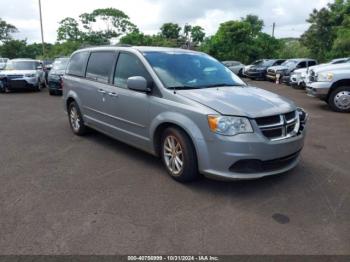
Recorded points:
(259,71)
(284,70)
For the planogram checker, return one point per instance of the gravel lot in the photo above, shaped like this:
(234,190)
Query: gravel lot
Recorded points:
(62,194)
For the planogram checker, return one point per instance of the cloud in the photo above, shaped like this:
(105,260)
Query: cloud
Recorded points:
(149,15)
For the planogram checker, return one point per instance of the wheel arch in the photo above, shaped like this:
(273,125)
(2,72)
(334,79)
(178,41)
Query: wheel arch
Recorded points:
(178,121)
(339,83)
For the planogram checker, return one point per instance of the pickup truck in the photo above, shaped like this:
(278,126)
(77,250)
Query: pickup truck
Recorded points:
(285,69)
(331,84)
(299,76)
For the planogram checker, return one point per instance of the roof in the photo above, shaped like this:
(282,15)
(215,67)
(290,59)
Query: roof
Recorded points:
(139,48)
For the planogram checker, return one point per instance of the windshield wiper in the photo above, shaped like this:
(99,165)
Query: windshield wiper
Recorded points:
(184,87)
(220,85)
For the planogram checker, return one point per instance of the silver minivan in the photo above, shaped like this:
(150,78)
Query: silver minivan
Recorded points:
(185,107)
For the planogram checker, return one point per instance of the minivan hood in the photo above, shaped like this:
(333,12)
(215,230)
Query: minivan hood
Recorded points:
(251,102)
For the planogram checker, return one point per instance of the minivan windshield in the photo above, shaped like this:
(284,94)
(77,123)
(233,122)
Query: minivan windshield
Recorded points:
(60,64)
(21,65)
(186,70)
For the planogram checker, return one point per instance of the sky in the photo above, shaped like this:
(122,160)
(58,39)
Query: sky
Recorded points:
(149,15)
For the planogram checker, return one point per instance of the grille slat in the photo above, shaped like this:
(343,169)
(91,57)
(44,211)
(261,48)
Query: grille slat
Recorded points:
(278,126)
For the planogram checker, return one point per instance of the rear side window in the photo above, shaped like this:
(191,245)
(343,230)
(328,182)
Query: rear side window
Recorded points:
(77,64)
(100,66)
(128,66)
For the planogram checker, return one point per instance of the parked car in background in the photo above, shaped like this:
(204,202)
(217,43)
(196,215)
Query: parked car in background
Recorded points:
(235,66)
(255,63)
(3,62)
(299,76)
(284,70)
(47,68)
(331,84)
(259,71)
(185,107)
(55,75)
(22,74)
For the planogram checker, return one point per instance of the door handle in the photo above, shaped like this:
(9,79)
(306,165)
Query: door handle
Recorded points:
(101,91)
(113,94)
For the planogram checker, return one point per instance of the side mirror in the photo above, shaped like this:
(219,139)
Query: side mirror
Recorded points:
(138,83)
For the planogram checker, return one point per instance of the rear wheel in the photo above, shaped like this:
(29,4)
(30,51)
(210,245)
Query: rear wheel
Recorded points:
(178,155)
(76,120)
(339,99)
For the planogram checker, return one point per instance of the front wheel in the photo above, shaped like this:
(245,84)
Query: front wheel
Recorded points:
(339,99)
(76,120)
(178,155)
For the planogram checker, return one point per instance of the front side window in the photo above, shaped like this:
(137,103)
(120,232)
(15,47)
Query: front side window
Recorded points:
(312,63)
(100,66)
(185,70)
(302,64)
(77,64)
(128,66)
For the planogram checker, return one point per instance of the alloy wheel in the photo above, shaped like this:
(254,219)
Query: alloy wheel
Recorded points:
(173,155)
(74,119)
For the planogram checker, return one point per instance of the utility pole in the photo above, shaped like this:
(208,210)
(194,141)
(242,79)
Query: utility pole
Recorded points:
(273,29)
(42,30)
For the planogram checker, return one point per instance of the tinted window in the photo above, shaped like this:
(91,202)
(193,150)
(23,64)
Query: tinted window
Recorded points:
(312,63)
(302,64)
(77,64)
(128,66)
(100,66)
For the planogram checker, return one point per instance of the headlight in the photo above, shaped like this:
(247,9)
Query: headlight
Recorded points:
(325,77)
(229,125)
(30,75)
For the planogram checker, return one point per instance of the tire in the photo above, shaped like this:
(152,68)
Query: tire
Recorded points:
(174,138)
(339,99)
(76,121)
(240,73)
(51,92)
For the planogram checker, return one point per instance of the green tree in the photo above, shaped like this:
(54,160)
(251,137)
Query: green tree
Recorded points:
(327,35)
(115,23)
(256,24)
(13,49)
(170,31)
(292,48)
(6,30)
(197,34)
(69,30)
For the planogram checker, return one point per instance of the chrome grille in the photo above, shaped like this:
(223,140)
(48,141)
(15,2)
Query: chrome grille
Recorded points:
(279,127)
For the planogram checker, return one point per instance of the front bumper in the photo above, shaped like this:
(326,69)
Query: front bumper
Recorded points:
(318,89)
(256,74)
(19,83)
(223,157)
